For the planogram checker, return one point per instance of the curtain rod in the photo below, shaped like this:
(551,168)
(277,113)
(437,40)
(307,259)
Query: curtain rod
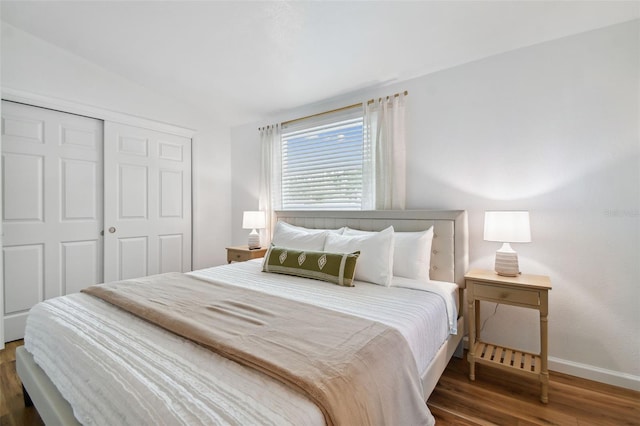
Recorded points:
(395,95)
(267,127)
(284,123)
(370,101)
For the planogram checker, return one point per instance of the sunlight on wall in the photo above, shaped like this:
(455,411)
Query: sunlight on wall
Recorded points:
(525,177)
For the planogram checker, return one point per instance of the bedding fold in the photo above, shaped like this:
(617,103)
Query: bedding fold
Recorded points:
(356,370)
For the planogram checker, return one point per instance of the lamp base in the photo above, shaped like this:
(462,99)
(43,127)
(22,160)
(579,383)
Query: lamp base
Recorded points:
(507,261)
(254,240)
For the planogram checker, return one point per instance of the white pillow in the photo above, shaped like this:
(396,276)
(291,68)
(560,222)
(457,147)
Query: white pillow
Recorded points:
(411,253)
(289,226)
(288,236)
(375,264)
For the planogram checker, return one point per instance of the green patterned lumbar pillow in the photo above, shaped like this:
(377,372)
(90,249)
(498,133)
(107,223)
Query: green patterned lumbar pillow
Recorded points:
(337,268)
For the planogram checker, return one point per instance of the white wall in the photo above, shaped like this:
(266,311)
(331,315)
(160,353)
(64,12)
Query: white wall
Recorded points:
(553,129)
(33,65)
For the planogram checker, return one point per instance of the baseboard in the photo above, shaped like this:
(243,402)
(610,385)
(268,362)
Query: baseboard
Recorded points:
(596,374)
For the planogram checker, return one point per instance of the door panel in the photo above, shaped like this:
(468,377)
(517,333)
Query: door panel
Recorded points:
(80,190)
(171,255)
(133,257)
(133,192)
(23,128)
(24,191)
(81,263)
(23,277)
(52,206)
(171,194)
(147,202)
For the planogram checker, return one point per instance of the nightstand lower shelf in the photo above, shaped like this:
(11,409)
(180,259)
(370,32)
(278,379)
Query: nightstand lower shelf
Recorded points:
(513,360)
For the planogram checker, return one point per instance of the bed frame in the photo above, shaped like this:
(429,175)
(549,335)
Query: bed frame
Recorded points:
(449,262)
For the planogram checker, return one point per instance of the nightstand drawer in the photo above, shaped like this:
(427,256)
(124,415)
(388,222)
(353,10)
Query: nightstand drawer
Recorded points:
(243,253)
(237,257)
(506,295)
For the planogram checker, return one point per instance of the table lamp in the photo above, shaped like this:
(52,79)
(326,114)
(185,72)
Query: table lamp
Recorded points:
(253,220)
(507,227)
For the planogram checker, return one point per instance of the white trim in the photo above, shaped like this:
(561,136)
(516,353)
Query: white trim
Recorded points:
(590,372)
(44,101)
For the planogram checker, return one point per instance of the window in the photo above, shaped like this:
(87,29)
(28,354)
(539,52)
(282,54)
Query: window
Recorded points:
(323,161)
(347,159)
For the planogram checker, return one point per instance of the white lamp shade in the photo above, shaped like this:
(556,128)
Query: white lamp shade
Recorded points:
(253,220)
(507,226)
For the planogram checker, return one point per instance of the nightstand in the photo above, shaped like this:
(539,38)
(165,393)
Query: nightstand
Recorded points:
(242,253)
(526,291)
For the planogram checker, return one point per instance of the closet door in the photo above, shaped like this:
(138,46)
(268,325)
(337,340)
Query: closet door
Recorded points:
(147,202)
(52,207)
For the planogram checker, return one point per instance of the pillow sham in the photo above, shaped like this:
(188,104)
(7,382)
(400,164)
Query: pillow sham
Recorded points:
(375,264)
(411,253)
(285,235)
(289,226)
(337,268)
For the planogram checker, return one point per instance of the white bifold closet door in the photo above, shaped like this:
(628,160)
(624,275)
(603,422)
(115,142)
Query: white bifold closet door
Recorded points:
(52,207)
(147,189)
(66,179)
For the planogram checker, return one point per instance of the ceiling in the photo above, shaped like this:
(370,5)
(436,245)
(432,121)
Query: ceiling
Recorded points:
(240,61)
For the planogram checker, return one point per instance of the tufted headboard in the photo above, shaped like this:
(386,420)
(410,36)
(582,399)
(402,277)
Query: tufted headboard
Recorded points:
(450,247)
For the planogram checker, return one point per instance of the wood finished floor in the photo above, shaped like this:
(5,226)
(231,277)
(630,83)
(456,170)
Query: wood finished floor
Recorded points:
(494,398)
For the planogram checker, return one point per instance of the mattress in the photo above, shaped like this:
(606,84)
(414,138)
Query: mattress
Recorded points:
(115,368)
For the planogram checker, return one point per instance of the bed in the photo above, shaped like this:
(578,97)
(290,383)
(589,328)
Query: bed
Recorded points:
(239,395)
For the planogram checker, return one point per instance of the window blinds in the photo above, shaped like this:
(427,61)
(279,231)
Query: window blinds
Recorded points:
(322,162)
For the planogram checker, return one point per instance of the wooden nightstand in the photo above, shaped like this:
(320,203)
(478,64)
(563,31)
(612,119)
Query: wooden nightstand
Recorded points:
(242,253)
(527,291)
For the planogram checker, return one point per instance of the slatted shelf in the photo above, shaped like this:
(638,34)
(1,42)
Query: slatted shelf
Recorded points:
(506,358)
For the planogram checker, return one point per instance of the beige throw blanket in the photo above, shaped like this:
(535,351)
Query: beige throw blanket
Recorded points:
(358,372)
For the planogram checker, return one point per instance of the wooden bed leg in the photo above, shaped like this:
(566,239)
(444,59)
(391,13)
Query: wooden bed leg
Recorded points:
(26,397)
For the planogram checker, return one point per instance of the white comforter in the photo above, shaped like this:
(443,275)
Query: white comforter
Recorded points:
(115,368)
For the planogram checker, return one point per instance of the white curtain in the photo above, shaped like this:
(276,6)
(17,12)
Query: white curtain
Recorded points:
(385,176)
(270,198)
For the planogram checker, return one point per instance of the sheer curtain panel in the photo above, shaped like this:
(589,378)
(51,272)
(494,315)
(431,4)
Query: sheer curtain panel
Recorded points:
(270,176)
(385,139)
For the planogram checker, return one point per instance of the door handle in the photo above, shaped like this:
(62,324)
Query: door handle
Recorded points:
(112,230)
